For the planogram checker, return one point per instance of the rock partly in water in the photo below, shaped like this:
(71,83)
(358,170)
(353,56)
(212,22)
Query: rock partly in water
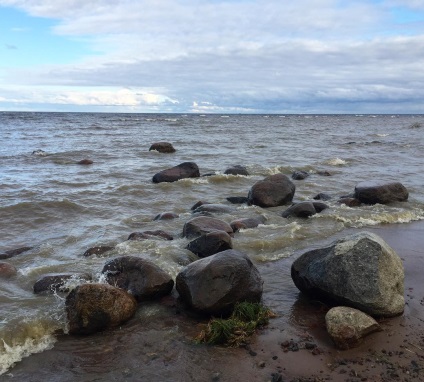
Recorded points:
(182,171)
(162,147)
(59,282)
(204,224)
(347,326)
(166,216)
(198,204)
(96,251)
(210,243)
(275,190)
(7,270)
(14,252)
(85,162)
(300,175)
(360,271)
(39,153)
(350,202)
(324,173)
(373,192)
(215,284)
(148,235)
(237,170)
(322,196)
(139,277)
(237,199)
(92,308)
(214,209)
(245,223)
(304,209)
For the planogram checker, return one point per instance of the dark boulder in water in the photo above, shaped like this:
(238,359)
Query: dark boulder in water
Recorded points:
(322,196)
(210,243)
(162,147)
(182,171)
(300,175)
(99,250)
(39,153)
(304,209)
(350,202)
(204,224)
(238,199)
(214,285)
(324,173)
(198,204)
(236,170)
(275,190)
(166,216)
(148,235)
(7,270)
(239,224)
(372,192)
(139,277)
(55,282)
(95,307)
(14,252)
(214,209)
(85,162)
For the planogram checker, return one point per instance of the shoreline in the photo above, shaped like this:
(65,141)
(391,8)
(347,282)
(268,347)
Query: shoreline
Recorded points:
(157,345)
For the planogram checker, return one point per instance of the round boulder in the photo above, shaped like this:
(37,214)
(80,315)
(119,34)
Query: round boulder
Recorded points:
(215,284)
(372,192)
(56,282)
(360,271)
(95,307)
(347,326)
(182,171)
(162,147)
(304,209)
(236,170)
(204,224)
(275,190)
(139,277)
(210,243)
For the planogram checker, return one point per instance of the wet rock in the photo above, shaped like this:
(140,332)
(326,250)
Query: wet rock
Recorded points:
(92,308)
(347,326)
(85,162)
(139,277)
(100,250)
(198,204)
(148,235)
(166,216)
(39,153)
(215,284)
(210,243)
(55,282)
(237,199)
(236,170)
(245,223)
(304,209)
(162,147)
(350,202)
(273,191)
(7,270)
(322,196)
(300,175)
(360,271)
(14,252)
(214,209)
(324,173)
(372,192)
(204,224)
(182,171)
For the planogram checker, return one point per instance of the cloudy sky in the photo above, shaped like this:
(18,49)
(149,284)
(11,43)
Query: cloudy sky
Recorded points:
(212,56)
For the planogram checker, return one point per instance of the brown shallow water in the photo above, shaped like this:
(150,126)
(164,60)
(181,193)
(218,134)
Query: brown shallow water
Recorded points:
(157,344)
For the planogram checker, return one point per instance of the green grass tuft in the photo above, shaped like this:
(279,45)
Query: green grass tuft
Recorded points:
(235,330)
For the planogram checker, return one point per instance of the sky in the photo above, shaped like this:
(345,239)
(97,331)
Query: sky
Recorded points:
(212,56)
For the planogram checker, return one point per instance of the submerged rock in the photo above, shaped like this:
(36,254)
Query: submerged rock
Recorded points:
(350,202)
(236,170)
(166,216)
(214,209)
(245,223)
(304,209)
(275,190)
(139,277)
(14,252)
(92,308)
(360,271)
(85,162)
(322,196)
(55,282)
(347,326)
(204,224)
(237,199)
(210,243)
(182,171)
(215,284)
(99,250)
(162,147)
(372,192)
(7,270)
(198,204)
(148,235)
(300,175)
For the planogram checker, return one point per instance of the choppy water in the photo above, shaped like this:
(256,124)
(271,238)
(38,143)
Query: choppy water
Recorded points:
(61,208)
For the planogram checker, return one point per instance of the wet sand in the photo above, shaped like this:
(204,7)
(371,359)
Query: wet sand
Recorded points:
(157,344)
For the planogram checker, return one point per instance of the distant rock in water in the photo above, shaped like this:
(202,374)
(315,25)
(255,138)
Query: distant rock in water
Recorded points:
(275,190)
(55,282)
(166,216)
(374,191)
(182,171)
(148,235)
(7,270)
(14,252)
(299,175)
(350,202)
(324,173)
(162,147)
(39,153)
(215,208)
(100,250)
(85,162)
(237,170)
(304,209)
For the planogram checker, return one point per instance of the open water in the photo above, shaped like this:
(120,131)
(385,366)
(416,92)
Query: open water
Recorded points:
(61,209)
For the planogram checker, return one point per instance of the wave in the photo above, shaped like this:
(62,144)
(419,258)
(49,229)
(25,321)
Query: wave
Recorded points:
(336,162)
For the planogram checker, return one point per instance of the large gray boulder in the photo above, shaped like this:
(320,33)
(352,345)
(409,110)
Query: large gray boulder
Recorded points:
(92,308)
(275,190)
(204,224)
(182,171)
(347,326)
(375,191)
(360,271)
(213,285)
(210,243)
(139,277)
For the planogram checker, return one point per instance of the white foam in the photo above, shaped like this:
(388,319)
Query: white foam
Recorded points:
(336,162)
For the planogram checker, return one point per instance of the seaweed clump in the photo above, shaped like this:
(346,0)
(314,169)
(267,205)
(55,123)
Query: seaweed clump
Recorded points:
(234,331)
